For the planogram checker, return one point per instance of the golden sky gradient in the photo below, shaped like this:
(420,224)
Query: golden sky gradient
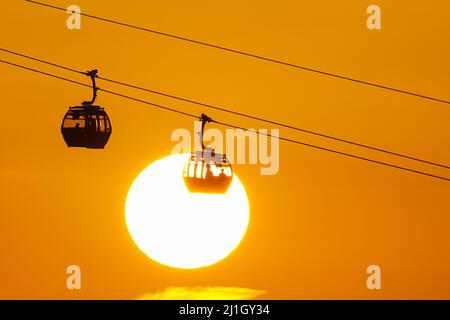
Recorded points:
(314,227)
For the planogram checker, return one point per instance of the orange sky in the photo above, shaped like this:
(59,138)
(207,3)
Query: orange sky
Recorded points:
(315,226)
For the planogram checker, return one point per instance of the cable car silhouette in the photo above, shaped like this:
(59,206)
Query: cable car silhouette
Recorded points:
(205,171)
(87,126)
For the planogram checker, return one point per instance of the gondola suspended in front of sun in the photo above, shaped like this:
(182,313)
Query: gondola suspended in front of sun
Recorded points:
(88,125)
(205,171)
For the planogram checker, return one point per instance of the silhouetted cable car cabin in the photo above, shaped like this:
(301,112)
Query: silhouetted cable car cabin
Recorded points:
(205,171)
(87,126)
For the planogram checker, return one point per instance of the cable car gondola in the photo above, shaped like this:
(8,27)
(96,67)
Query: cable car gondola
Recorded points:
(87,126)
(205,171)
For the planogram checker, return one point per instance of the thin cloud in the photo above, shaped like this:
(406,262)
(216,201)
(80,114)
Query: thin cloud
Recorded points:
(203,293)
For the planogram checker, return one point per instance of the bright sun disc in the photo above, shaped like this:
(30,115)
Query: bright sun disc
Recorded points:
(182,229)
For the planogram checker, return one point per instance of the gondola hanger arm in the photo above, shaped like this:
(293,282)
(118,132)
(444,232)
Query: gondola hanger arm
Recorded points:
(92,74)
(204,119)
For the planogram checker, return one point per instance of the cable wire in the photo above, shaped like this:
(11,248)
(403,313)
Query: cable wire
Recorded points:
(333,151)
(358,144)
(100,89)
(288,64)
(230,125)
